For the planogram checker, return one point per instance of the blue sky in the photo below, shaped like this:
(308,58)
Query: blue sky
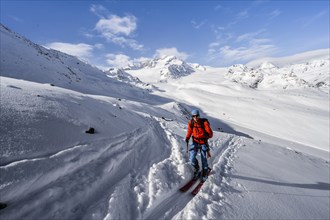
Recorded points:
(214,33)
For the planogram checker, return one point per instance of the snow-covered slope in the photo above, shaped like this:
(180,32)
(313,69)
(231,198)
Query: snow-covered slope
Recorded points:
(23,59)
(45,152)
(297,115)
(270,150)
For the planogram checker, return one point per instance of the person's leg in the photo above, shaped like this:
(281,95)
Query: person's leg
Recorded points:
(205,165)
(192,158)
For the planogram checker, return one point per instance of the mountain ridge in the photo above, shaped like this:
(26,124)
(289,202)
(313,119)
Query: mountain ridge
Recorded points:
(23,59)
(71,72)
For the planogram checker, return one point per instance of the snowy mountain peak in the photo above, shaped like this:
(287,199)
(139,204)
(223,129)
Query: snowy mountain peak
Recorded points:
(171,59)
(318,63)
(238,67)
(267,65)
(197,66)
(164,68)
(121,75)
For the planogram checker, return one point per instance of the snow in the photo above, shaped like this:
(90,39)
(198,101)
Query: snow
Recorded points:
(270,150)
(284,191)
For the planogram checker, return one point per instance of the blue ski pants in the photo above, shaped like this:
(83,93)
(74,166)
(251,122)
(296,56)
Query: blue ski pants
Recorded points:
(193,151)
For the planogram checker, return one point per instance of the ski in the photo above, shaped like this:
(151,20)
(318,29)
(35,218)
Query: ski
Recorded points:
(200,184)
(197,188)
(186,187)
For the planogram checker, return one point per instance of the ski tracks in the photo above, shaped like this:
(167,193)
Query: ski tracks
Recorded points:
(69,182)
(137,172)
(178,205)
(210,199)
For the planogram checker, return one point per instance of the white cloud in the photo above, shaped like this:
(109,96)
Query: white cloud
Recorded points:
(99,10)
(122,41)
(274,14)
(309,20)
(243,14)
(198,25)
(244,48)
(117,25)
(118,60)
(246,53)
(116,29)
(80,50)
(141,59)
(229,55)
(88,35)
(218,7)
(214,44)
(171,52)
(296,58)
(249,36)
(99,46)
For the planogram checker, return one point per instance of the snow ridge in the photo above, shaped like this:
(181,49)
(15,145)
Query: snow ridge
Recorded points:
(268,76)
(22,59)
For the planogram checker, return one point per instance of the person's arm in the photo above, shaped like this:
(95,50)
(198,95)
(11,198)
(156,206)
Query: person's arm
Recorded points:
(189,133)
(210,135)
(208,129)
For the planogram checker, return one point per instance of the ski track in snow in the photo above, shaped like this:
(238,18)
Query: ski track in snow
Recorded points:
(86,170)
(178,205)
(202,206)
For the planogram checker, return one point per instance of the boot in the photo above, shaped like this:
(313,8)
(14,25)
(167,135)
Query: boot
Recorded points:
(205,175)
(196,171)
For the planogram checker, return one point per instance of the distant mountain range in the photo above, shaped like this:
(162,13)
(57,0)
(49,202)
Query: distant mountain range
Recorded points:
(168,67)
(23,59)
(314,73)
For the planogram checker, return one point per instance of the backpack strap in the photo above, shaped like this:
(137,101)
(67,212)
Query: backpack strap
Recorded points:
(192,123)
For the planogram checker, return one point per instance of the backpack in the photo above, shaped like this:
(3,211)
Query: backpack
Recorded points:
(192,124)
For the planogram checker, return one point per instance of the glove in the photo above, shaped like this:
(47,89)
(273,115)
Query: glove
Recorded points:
(187,140)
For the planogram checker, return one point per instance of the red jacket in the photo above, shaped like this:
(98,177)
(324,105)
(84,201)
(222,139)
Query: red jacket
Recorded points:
(200,130)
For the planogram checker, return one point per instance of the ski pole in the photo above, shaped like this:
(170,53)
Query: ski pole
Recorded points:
(208,154)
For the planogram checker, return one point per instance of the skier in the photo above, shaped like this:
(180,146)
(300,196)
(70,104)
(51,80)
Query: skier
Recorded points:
(200,130)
